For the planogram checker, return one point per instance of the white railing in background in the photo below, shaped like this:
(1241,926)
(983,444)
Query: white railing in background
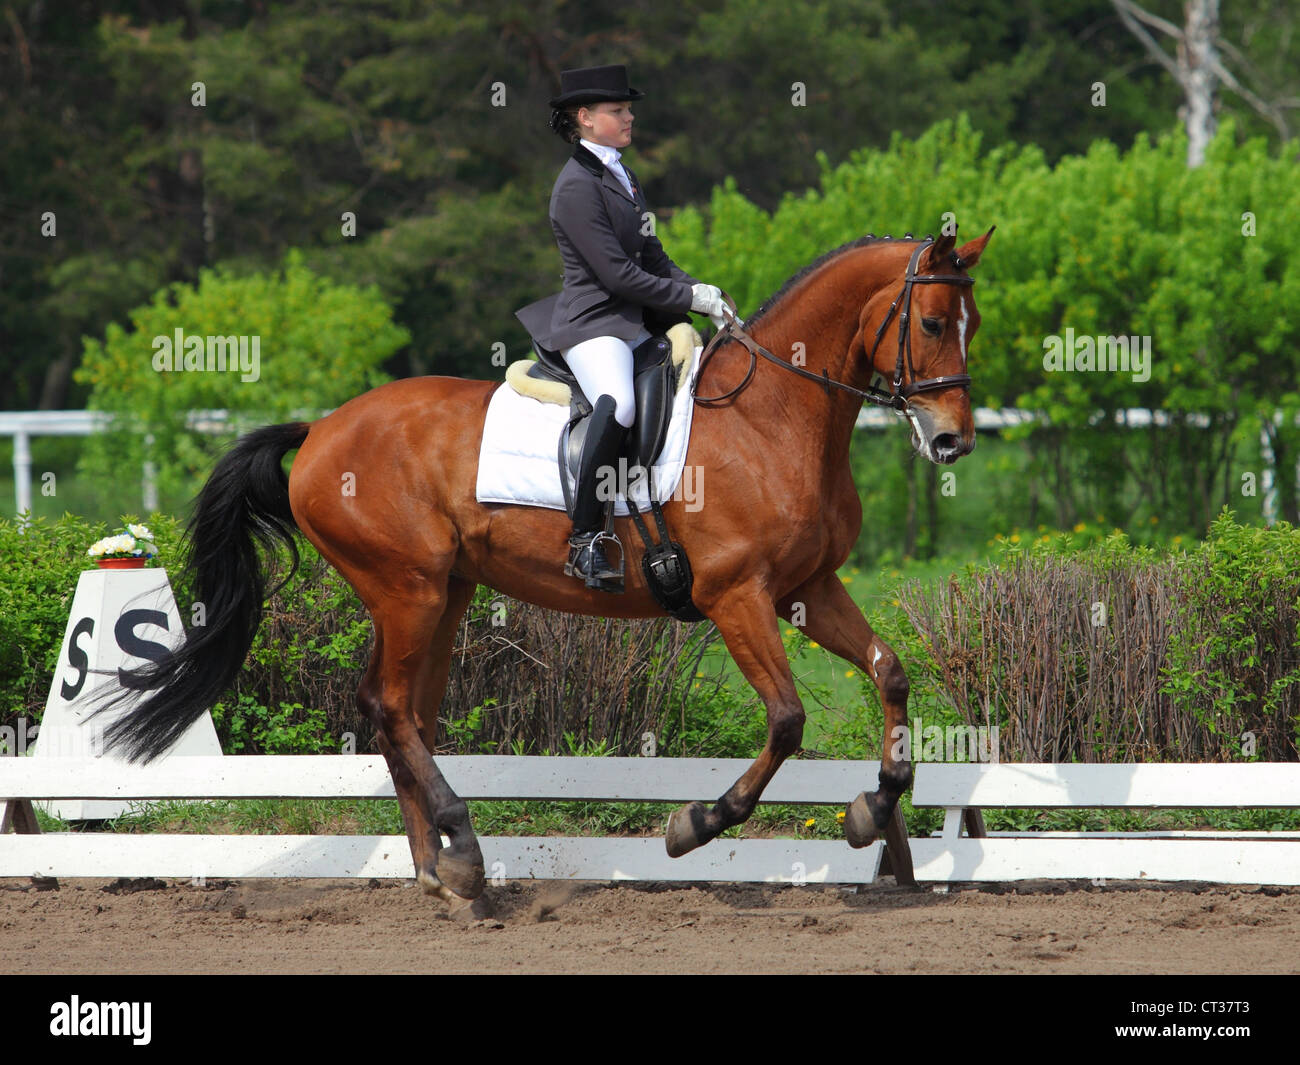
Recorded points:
(473,777)
(23,425)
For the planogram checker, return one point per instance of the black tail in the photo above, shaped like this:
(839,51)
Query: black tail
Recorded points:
(245,502)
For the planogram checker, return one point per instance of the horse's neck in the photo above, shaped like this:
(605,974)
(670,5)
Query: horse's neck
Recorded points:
(815,329)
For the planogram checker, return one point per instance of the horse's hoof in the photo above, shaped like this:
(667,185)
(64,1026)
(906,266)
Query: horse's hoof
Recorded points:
(458,906)
(461,877)
(687,829)
(859,826)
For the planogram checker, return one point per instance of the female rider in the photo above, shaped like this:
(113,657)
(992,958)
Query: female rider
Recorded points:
(620,287)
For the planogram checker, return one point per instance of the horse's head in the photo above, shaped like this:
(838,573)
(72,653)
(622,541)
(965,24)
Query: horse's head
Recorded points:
(939,314)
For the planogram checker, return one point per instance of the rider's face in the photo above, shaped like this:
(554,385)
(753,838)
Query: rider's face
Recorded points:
(609,124)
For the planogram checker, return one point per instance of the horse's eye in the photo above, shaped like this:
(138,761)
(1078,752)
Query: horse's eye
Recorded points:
(931,326)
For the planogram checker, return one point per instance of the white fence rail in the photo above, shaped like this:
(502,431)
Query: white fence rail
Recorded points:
(102,854)
(1240,857)
(961,790)
(24,424)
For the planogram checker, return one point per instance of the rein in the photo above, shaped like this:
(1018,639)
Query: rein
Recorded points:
(897,398)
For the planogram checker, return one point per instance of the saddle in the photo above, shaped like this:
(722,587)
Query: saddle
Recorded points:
(659,369)
(549,380)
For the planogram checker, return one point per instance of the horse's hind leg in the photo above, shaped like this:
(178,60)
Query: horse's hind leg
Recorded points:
(747,620)
(833,619)
(404,634)
(462,861)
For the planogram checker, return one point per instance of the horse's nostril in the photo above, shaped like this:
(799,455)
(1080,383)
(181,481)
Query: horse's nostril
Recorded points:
(946,442)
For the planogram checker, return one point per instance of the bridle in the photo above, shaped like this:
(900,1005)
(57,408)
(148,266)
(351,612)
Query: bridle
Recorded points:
(899,396)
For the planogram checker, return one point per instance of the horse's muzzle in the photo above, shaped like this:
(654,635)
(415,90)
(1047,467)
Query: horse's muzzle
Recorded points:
(936,437)
(947,448)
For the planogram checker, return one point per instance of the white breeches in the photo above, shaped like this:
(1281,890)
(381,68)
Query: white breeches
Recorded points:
(603,367)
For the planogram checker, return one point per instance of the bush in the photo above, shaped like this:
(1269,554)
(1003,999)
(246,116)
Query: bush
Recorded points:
(1234,662)
(531,681)
(524,680)
(1107,243)
(1119,653)
(1107,653)
(297,691)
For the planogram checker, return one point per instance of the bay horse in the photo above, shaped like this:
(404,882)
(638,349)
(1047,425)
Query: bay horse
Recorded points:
(384,487)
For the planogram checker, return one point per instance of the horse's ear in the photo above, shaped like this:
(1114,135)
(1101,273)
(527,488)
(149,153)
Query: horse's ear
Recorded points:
(937,252)
(969,254)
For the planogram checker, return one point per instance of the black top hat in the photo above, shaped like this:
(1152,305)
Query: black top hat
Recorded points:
(591,85)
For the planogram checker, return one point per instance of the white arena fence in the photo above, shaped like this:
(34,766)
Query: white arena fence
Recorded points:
(962,790)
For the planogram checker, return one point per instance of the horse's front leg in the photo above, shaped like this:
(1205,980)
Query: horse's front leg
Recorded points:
(833,619)
(747,620)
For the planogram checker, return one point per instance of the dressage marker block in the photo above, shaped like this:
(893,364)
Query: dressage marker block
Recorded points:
(120,619)
(962,790)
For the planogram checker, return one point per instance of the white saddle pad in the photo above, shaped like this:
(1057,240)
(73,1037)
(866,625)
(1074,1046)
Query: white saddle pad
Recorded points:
(519,462)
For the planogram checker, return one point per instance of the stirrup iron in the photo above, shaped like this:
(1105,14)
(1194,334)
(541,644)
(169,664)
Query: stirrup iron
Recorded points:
(598,572)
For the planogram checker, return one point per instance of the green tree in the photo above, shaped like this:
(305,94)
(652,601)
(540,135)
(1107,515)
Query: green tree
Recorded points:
(317,344)
(165,139)
(1103,244)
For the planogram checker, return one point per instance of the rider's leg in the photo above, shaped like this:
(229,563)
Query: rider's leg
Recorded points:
(603,367)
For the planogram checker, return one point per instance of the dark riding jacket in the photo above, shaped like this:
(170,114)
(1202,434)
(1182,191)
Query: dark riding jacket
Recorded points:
(617,276)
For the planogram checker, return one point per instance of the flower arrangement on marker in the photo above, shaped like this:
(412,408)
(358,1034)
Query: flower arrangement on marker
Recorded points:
(135,541)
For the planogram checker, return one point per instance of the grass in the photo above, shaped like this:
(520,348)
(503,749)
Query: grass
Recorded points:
(252,817)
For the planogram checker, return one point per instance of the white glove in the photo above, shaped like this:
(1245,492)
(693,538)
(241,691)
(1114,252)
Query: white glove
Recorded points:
(707,299)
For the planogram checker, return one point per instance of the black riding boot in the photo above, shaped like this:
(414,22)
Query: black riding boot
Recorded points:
(600,449)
